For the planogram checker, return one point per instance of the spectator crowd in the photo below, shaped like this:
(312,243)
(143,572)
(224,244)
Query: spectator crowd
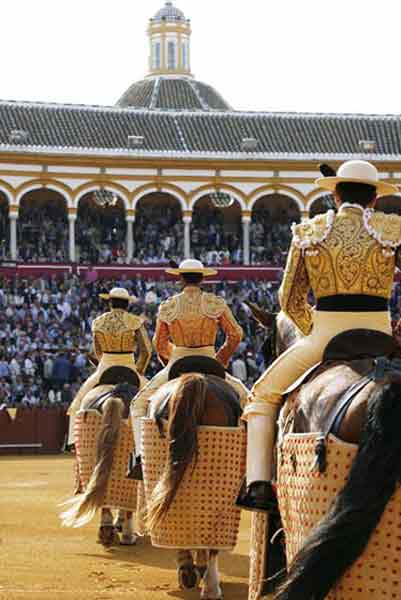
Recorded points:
(4,230)
(100,234)
(158,234)
(270,238)
(45,330)
(214,242)
(42,233)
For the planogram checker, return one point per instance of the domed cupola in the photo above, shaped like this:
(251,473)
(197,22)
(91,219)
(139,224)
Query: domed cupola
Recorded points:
(169,84)
(169,13)
(169,36)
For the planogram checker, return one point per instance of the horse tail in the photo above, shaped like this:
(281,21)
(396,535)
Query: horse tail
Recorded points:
(341,537)
(186,407)
(83,507)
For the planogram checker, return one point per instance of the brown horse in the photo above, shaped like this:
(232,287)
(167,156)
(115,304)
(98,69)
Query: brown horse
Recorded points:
(111,399)
(191,399)
(353,398)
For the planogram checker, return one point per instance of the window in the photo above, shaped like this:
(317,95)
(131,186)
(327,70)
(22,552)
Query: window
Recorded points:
(185,55)
(171,62)
(156,55)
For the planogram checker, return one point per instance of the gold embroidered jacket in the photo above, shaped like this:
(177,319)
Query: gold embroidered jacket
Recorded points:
(353,252)
(119,331)
(192,319)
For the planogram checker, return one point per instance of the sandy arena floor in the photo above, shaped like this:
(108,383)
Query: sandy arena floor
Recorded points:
(40,560)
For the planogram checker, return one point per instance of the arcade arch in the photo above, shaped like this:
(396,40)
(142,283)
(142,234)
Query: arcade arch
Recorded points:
(4,227)
(42,229)
(321,204)
(389,204)
(100,230)
(213,227)
(270,230)
(158,230)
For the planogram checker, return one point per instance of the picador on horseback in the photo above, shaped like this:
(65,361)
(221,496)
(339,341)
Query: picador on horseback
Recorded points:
(187,325)
(192,431)
(348,261)
(117,335)
(338,469)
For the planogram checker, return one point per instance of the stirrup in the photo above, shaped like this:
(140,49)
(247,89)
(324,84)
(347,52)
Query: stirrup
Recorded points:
(259,496)
(135,468)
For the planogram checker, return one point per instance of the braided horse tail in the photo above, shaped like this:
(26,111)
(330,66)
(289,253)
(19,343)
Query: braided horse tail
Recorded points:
(341,537)
(82,508)
(186,408)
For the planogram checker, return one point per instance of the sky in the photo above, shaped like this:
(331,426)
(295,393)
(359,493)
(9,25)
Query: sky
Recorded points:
(262,55)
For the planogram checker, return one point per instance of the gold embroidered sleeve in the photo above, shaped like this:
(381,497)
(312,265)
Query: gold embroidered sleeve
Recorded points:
(161,341)
(294,290)
(234,335)
(97,347)
(144,349)
(386,229)
(168,310)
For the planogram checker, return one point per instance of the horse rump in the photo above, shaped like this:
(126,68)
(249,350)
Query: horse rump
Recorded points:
(341,537)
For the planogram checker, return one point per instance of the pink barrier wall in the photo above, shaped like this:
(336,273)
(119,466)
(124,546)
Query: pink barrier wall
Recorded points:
(47,427)
(230,272)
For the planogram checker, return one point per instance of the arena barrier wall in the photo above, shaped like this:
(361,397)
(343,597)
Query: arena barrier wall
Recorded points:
(92,273)
(32,430)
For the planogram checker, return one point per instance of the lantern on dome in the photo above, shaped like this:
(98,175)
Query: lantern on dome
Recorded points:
(221,199)
(105,198)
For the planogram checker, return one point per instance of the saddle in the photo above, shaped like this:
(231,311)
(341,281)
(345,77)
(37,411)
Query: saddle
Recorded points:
(356,344)
(353,345)
(125,391)
(197,364)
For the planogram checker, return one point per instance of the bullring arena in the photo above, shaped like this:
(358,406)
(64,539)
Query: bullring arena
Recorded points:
(96,200)
(42,561)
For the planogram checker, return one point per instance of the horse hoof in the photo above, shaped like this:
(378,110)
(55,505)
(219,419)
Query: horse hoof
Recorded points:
(206,595)
(108,536)
(188,577)
(128,540)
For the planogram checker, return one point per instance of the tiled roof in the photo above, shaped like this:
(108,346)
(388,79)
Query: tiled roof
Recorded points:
(139,94)
(172,93)
(66,126)
(188,134)
(177,94)
(209,96)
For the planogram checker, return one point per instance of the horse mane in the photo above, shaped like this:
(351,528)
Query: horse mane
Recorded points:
(186,407)
(287,333)
(342,535)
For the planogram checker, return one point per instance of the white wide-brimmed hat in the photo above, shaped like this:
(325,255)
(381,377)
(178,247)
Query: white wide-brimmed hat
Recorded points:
(190,265)
(357,171)
(120,293)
